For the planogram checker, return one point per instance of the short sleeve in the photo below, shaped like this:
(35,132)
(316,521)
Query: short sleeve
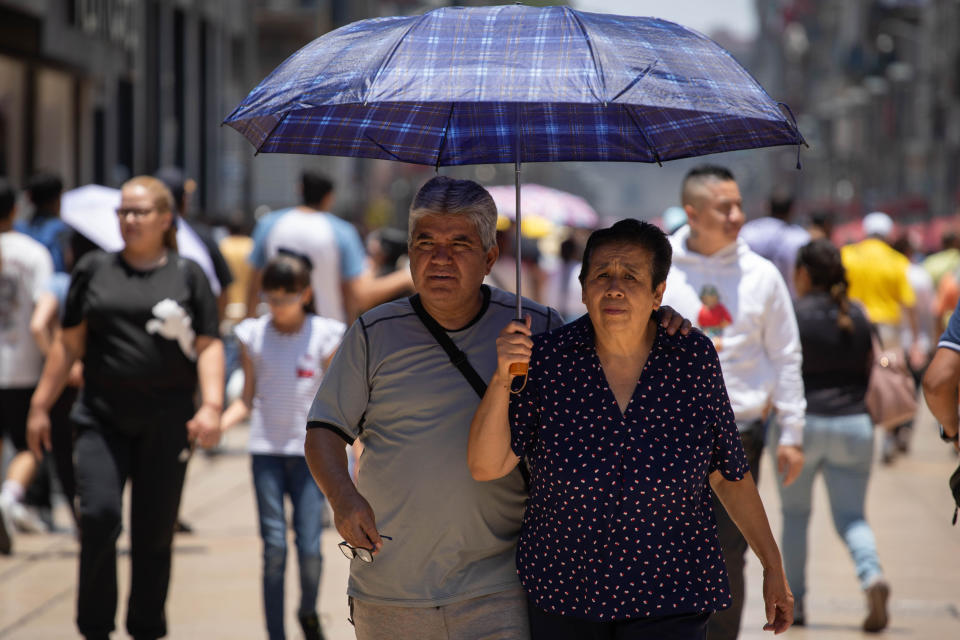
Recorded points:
(727,455)
(244,332)
(951,337)
(331,333)
(353,257)
(75,308)
(341,401)
(204,305)
(525,412)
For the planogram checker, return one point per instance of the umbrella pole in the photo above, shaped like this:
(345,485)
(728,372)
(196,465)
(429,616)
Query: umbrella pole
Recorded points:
(517,247)
(518,368)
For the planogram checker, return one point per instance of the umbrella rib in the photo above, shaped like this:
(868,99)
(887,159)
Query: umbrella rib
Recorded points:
(393,51)
(270,133)
(593,53)
(443,140)
(643,134)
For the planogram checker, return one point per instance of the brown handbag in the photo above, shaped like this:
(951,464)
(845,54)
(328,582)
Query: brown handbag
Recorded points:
(891,393)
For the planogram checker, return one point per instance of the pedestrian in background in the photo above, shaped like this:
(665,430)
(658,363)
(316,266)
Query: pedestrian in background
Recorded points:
(144,321)
(838,436)
(25,267)
(285,354)
(343,282)
(45,226)
(877,276)
(775,237)
(741,301)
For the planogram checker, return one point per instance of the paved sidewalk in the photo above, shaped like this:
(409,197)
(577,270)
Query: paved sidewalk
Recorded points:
(215,590)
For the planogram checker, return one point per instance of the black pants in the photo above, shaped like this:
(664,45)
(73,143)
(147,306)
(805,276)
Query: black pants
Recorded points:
(155,463)
(550,626)
(725,625)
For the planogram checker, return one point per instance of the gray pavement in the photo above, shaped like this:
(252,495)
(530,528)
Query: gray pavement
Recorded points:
(215,590)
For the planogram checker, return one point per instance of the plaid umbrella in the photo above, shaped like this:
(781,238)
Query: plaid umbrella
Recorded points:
(461,85)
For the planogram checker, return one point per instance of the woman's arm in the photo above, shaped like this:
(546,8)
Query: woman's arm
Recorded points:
(240,408)
(742,501)
(43,322)
(489,454)
(204,427)
(63,353)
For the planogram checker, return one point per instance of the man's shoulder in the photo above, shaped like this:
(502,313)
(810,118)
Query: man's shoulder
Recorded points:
(386,315)
(504,302)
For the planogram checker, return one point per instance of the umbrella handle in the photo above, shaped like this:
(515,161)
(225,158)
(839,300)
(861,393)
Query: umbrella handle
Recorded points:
(519,369)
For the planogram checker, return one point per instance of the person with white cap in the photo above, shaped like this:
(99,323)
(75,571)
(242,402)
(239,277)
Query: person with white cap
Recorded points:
(877,278)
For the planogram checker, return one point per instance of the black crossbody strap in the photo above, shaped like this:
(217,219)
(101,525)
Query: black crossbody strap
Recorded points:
(457,357)
(460,361)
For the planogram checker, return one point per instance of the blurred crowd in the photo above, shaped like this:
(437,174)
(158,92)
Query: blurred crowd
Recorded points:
(62,358)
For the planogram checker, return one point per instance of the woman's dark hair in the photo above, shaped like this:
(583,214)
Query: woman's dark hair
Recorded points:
(823,264)
(647,236)
(288,272)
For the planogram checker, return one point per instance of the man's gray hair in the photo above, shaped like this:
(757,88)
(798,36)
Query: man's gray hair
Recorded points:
(444,196)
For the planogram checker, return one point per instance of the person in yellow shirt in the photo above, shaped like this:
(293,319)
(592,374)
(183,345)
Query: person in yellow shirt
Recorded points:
(877,278)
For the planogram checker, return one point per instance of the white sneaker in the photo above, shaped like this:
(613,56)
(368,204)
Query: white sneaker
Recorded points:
(6,527)
(26,519)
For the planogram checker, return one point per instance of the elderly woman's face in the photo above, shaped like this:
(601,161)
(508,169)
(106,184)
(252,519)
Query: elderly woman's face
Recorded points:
(618,287)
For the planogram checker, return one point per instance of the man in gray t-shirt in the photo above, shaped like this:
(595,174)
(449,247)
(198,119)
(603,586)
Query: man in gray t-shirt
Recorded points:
(448,568)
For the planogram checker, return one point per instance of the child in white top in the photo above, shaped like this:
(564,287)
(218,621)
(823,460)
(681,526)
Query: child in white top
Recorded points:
(284,355)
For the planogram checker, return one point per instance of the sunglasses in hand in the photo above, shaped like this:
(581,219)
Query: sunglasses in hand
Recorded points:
(362,553)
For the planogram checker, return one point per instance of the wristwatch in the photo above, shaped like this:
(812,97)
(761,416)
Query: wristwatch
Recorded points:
(943,436)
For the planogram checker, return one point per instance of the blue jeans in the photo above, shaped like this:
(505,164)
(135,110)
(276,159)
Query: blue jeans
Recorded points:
(274,477)
(842,448)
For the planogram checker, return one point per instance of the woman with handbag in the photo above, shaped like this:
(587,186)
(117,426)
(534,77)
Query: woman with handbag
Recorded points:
(838,437)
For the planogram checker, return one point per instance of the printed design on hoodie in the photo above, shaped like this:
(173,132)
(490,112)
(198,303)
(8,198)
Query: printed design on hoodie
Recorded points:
(713,317)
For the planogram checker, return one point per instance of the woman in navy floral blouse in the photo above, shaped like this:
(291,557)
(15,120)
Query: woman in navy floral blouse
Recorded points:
(624,429)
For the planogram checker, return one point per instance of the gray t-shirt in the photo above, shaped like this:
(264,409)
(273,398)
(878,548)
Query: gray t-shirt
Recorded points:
(392,386)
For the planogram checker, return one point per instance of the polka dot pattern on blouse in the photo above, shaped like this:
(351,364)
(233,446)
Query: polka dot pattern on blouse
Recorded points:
(620,520)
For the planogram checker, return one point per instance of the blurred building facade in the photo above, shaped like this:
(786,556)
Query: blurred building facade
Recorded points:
(875,85)
(100,90)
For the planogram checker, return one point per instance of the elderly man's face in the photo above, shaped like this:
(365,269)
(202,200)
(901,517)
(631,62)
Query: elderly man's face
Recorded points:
(448,262)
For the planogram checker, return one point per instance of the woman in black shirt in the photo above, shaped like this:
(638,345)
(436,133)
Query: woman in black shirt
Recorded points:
(838,436)
(144,322)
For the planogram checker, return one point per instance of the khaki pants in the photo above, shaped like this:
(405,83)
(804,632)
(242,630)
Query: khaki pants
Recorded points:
(498,616)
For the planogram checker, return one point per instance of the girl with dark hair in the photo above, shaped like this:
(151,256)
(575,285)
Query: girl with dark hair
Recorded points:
(838,437)
(284,355)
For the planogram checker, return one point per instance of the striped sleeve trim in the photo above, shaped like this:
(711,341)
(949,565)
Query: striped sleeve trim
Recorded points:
(319,424)
(946,344)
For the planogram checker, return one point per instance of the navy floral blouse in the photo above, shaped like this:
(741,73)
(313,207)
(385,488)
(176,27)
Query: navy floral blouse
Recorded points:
(620,519)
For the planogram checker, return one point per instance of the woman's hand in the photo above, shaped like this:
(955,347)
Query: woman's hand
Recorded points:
(38,431)
(777,600)
(514,345)
(204,428)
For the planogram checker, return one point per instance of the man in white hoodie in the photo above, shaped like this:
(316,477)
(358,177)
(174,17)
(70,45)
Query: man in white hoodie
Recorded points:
(740,300)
